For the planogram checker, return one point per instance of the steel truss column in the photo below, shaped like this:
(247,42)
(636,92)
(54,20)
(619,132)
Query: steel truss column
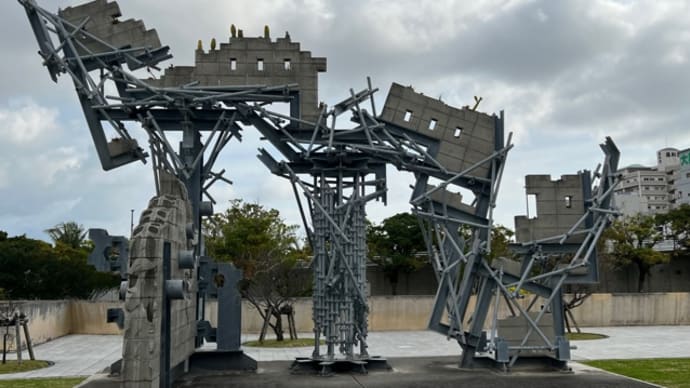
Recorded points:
(340,309)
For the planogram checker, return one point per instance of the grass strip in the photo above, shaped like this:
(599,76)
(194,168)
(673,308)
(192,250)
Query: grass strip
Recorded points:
(669,372)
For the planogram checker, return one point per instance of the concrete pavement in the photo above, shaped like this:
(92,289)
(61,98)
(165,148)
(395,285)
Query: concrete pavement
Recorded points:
(84,355)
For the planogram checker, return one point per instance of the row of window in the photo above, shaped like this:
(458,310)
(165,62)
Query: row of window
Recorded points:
(432,124)
(645,179)
(657,207)
(654,188)
(287,64)
(668,155)
(656,197)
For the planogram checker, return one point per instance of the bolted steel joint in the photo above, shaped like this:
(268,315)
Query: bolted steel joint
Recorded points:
(206,209)
(189,231)
(186,260)
(176,288)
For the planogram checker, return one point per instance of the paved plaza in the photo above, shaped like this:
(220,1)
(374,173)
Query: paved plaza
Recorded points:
(84,355)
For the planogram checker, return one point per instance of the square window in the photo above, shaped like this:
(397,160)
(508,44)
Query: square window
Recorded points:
(408,116)
(458,132)
(568,201)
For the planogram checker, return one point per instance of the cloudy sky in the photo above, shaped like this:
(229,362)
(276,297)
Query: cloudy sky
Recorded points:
(567,74)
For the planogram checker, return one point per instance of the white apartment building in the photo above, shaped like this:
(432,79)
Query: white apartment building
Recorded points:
(682,179)
(653,190)
(642,190)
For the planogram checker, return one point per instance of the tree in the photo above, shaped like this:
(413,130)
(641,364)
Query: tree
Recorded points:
(501,238)
(677,223)
(394,246)
(69,233)
(632,240)
(33,269)
(258,241)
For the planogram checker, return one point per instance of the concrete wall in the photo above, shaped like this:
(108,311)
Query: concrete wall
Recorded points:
(466,136)
(670,277)
(560,204)
(47,319)
(411,312)
(89,317)
(672,308)
(52,319)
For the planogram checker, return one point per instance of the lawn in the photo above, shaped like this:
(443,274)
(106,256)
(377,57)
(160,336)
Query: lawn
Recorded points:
(11,366)
(669,372)
(42,383)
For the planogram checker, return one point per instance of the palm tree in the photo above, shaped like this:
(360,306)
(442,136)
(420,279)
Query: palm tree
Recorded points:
(69,233)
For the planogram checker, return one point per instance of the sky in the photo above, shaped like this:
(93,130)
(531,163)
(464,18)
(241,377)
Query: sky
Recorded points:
(566,73)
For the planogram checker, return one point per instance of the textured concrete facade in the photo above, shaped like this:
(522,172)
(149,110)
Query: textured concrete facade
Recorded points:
(466,136)
(103,23)
(254,61)
(560,204)
(164,220)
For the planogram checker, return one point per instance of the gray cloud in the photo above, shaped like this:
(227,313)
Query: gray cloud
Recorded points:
(567,73)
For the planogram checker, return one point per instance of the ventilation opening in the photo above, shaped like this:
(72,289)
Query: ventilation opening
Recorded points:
(568,201)
(432,124)
(458,132)
(532,206)
(233,64)
(408,115)
(287,65)
(260,64)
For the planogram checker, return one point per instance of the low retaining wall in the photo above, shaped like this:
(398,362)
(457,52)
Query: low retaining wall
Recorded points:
(52,319)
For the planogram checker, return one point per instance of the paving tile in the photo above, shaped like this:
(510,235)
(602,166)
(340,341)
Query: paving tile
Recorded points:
(84,355)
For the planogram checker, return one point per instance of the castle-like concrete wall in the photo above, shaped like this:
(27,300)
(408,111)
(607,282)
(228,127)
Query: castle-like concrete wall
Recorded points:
(104,23)
(254,61)
(560,204)
(466,136)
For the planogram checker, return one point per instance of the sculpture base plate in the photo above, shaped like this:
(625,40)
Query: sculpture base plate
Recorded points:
(329,367)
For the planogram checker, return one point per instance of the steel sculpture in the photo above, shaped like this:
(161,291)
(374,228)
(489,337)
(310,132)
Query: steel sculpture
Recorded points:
(457,156)
(98,51)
